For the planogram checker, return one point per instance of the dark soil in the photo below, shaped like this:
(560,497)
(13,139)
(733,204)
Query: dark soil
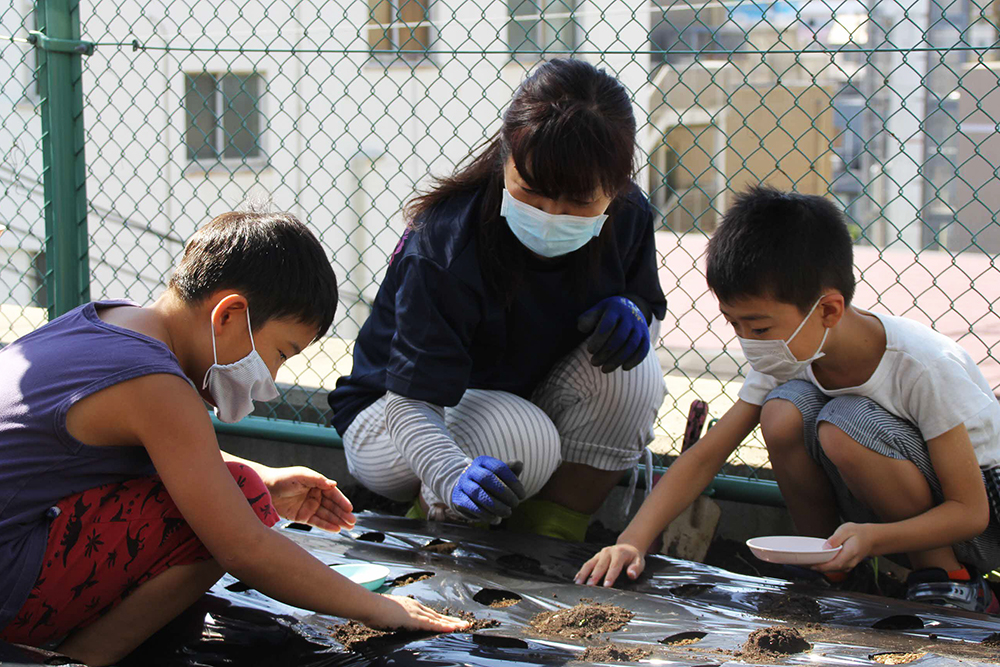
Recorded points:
(475,624)
(896,658)
(768,644)
(899,622)
(439,546)
(496,598)
(582,621)
(525,564)
(789,607)
(410,578)
(614,653)
(691,590)
(354,635)
(993,641)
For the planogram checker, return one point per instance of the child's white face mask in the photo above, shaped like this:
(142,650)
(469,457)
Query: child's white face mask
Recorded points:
(546,234)
(774,358)
(234,387)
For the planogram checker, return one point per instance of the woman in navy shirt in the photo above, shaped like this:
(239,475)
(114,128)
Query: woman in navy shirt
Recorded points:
(504,372)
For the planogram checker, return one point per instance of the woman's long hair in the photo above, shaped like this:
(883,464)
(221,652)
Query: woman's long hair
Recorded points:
(571,132)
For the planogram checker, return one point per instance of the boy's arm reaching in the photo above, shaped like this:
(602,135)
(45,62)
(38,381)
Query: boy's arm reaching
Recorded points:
(173,425)
(963,515)
(683,482)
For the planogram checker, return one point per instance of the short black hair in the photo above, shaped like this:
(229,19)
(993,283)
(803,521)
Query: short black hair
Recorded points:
(783,245)
(272,259)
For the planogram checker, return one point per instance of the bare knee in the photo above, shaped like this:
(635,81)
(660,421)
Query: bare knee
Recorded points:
(781,425)
(840,448)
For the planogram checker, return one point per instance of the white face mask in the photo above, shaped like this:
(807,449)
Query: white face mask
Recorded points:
(545,234)
(234,387)
(774,358)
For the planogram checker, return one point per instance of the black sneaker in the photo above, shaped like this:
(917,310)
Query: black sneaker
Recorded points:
(932,585)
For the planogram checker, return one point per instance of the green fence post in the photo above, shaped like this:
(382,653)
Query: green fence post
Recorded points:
(57,43)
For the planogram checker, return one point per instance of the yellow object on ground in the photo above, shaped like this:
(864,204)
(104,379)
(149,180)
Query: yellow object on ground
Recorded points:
(542,517)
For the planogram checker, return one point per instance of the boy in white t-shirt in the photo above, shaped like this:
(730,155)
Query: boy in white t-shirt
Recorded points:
(883,435)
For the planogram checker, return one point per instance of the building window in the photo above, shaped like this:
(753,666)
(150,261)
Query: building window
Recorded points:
(399,25)
(679,29)
(543,25)
(224,119)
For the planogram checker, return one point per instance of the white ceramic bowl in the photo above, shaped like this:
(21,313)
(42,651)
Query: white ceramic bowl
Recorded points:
(791,550)
(370,576)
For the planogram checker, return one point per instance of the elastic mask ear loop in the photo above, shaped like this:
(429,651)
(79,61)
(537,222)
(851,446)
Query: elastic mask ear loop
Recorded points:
(806,319)
(253,346)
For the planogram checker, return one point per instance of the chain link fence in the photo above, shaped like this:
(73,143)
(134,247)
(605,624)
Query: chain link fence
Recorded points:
(342,109)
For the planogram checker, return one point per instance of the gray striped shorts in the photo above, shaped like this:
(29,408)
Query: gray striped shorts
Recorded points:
(874,427)
(576,414)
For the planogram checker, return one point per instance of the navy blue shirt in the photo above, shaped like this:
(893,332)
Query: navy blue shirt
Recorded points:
(435,329)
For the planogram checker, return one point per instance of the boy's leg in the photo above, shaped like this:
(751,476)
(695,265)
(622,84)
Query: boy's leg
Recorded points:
(788,424)
(605,421)
(152,605)
(107,544)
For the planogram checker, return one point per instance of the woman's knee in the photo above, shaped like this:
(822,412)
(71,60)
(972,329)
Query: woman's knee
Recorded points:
(255,491)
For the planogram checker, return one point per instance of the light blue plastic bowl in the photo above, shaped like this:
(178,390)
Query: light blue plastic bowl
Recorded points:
(370,576)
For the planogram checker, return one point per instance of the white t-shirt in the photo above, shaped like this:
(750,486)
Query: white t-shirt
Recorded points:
(925,378)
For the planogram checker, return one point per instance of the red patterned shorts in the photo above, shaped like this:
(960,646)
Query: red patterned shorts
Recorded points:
(108,541)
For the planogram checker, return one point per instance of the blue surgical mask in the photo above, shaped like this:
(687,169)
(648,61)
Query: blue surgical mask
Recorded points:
(545,234)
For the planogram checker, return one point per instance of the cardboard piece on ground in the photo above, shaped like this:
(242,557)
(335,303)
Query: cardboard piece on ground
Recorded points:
(691,533)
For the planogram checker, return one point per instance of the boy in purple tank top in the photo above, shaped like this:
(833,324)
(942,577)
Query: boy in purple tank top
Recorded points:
(117,507)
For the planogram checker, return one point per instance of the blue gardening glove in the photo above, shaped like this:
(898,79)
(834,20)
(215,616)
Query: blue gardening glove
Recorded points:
(488,489)
(619,335)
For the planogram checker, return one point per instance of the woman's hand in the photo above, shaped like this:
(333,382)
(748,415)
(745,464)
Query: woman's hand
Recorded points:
(395,612)
(856,539)
(305,496)
(609,562)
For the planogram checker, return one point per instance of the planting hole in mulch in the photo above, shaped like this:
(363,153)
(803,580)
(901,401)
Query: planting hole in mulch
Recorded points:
(896,658)
(410,578)
(239,587)
(475,624)
(371,536)
(496,598)
(690,590)
(439,546)
(899,622)
(767,644)
(614,653)
(684,638)
(525,564)
(789,607)
(495,641)
(993,641)
(582,621)
(304,527)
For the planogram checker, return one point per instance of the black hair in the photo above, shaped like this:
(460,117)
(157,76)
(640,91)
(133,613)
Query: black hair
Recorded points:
(783,245)
(272,259)
(567,115)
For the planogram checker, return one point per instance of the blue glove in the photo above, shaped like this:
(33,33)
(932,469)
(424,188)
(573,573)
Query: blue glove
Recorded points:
(488,489)
(619,335)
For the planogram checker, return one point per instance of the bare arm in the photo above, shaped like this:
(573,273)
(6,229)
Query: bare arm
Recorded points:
(179,437)
(683,482)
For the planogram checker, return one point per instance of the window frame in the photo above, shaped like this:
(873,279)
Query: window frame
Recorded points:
(549,33)
(220,107)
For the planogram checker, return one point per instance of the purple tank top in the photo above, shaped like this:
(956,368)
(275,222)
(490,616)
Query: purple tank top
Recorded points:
(41,376)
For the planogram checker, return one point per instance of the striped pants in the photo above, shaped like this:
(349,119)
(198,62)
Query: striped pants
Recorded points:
(577,414)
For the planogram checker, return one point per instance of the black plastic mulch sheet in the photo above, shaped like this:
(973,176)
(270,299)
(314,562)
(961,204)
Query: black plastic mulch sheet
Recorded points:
(714,610)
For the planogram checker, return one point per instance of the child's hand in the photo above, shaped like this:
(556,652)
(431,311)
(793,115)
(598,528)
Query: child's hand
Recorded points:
(397,612)
(303,495)
(857,541)
(609,562)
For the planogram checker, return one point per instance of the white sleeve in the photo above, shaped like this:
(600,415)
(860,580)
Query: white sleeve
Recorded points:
(943,396)
(756,388)
(418,431)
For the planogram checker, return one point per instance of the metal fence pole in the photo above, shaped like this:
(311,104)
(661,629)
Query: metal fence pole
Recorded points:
(57,42)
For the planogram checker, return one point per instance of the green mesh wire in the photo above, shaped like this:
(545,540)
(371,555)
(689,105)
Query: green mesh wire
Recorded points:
(341,110)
